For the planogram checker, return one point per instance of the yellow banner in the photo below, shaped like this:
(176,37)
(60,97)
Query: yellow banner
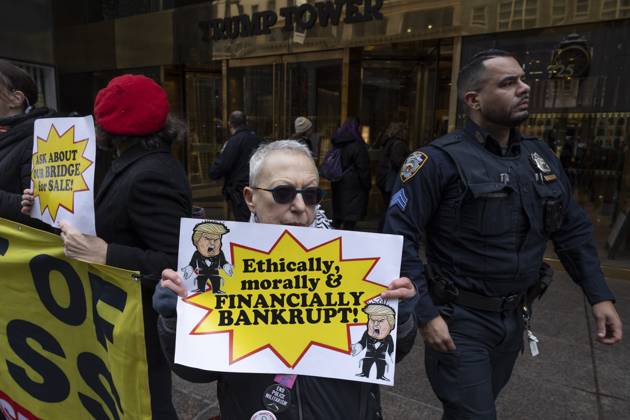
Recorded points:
(71,334)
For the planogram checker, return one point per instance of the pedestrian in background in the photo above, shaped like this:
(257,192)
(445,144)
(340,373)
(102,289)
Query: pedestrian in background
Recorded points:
(488,200)
(305,134)
(232,164)
(394,150)
(18,96)
(138,207)
(350,194)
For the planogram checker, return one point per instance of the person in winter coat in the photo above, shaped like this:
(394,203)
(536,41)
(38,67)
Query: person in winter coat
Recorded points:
(284,190)
(139,205)
(18,95)
(232,164)
(305,134)
(350,194)
(394,151)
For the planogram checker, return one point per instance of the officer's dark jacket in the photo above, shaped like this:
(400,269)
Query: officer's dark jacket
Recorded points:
(485,227)
(16,152)
(233,162)
(240,394)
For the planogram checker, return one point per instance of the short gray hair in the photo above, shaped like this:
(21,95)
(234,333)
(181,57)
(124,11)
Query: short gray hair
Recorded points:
(259,156)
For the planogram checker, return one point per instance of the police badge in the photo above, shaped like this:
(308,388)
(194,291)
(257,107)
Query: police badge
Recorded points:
(542,167)
(539,163)
(412,165)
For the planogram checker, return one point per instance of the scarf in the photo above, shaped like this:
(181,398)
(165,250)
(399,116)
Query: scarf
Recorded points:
(320,221)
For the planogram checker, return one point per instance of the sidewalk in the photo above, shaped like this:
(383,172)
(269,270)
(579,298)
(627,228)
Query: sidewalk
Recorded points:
(573,378)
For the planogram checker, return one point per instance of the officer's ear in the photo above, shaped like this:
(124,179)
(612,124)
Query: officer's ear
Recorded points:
(471,99)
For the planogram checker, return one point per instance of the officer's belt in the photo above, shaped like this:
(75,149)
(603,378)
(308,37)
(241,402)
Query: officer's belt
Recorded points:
(489,303)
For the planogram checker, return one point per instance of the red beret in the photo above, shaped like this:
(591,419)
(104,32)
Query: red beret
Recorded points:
(131,105)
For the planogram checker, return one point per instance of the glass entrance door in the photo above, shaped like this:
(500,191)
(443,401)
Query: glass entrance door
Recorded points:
(204,108)
(252,89)
(407,83)
(274,91)
(313,90)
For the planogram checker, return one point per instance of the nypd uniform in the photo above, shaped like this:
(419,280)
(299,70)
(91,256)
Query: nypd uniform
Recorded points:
(487,213)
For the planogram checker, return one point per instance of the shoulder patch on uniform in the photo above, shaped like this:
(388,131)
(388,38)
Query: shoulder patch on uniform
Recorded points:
(399,199)
(412,165)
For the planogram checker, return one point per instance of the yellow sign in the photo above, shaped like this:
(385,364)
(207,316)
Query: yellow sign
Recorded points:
(71,334)
(289,298)
(58,167)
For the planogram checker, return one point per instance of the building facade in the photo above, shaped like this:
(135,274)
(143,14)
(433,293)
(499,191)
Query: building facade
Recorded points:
(382,60)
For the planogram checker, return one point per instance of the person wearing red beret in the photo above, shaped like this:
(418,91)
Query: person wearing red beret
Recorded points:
(139,204)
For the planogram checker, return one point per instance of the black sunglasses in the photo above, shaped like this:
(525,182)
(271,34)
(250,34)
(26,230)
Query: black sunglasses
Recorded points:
(285,194)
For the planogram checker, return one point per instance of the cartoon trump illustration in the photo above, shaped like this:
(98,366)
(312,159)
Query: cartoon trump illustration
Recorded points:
(208,257)
(376,339)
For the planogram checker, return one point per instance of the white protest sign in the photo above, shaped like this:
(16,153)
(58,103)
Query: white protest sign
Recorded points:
(284,299)
(62,176)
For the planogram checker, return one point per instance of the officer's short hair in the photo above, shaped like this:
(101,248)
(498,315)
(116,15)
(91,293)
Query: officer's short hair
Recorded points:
(472,74)
(258,158)
(237,119)
(378,309)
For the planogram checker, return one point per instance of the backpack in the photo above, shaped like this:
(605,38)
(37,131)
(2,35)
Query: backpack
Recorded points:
(331,168)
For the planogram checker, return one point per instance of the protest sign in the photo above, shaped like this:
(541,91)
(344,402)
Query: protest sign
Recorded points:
(279,299)
(62,176)
(71,334)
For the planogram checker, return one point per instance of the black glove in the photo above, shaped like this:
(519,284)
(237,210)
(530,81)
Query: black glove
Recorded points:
(164,301)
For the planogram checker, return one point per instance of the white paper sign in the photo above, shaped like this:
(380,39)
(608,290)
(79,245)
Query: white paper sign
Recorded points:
(62,176)
(291,300)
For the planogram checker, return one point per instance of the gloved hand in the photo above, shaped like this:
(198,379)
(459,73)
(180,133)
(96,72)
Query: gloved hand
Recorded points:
(164,301)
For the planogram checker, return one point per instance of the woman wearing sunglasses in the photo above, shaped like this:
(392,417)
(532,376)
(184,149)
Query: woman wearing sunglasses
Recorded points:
(284,189)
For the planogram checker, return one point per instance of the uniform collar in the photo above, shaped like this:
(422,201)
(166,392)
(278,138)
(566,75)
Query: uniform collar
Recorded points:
(484,138)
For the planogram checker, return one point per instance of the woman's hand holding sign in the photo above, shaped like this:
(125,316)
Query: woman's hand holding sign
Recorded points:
(82,247)
(402,288)
(171,280)
(27,201)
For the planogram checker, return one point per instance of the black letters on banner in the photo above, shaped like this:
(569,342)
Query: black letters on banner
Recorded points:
(112,295)
(41,267)
(4,246)
(55,386)
(92,369)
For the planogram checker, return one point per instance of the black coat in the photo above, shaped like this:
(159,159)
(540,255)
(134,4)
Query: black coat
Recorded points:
(138,211)
(240,394)
(393,155)
(16,152)
(350,195)
(233,162)
(138,208)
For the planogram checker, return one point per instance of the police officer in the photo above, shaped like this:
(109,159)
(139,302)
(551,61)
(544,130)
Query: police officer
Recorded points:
(487,200)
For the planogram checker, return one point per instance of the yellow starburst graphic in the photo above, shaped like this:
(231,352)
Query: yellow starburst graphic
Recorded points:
(288,298)
(58,168)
